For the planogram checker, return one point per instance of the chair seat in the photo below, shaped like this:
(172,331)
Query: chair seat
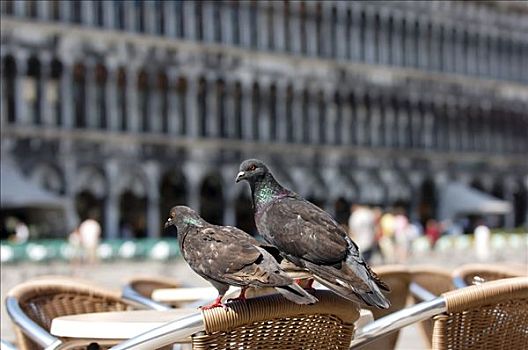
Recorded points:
(114,325)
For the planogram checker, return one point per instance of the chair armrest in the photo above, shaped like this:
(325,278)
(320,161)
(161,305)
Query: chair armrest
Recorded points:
(128,293)
(420,292)
(30,327)
(398,320)
(5,345)
(168,334)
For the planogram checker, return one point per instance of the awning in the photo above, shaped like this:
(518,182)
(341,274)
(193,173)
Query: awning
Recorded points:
(17,191)
(456,198)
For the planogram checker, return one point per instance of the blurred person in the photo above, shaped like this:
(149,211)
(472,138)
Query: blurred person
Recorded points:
(386,241)
(21,232)
(74,240)
(90,232)
(482,241)
(432,231)
(361,229)
(402,236)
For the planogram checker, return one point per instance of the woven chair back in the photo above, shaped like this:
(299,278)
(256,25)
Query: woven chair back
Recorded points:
(478,273)
(493,315)
(42,300)
(145,285)
(272,322)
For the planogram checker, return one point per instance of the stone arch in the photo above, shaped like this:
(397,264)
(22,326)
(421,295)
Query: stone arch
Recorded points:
(50,177)
(212,198)
(79,95)
(101,78)
(32,89)
(9,72)
(132,188)
(91,187)
(173,191)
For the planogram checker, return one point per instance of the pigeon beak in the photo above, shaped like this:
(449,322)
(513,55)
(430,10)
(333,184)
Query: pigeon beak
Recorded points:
(169,223)
(240,176)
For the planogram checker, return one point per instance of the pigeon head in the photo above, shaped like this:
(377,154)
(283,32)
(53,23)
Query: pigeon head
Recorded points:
(251,170)
(180,216)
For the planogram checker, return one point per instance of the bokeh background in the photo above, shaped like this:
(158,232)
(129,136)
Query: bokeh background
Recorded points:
(117,110)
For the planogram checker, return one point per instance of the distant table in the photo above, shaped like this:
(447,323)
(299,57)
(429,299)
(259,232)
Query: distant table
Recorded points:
(114,325)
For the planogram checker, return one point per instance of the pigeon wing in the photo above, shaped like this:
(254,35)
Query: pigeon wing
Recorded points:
(300,229)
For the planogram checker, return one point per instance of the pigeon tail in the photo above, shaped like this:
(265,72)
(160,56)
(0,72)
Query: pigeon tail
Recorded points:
(338,281)
(296,294)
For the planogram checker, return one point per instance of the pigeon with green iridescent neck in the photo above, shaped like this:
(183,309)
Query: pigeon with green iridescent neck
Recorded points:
(310,238)
(226,256)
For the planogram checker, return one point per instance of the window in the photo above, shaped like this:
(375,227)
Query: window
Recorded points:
(122,99)
(144,100)
(79,95)
(101,76)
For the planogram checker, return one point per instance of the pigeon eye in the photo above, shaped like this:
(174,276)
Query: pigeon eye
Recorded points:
(252,168)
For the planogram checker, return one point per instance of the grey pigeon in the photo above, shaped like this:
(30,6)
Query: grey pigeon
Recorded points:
(225,256)
(310,238)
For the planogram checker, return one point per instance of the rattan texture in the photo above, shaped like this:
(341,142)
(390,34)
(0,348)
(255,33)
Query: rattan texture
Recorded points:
(145,285)
(488,272)
(437,281)
(398,278)
(493,315)
(46,298)
(272,322)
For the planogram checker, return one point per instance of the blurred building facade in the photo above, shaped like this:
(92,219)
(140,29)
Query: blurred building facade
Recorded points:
(126,108)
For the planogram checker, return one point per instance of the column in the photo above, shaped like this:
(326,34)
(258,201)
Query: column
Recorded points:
(330,117)
(360,127)
(375,122)
(65,11)
(109,14)
(230,196)
(247,110)
(245,23)
(191,111)
(226,21)
(132,99)
(262,25)
(326,29)
(87,13)
(153,200)
(155,111)
(409,53)
(212,116)
(69,166)
(355,42)
(313,117)
(389,123)
(189,22)
(424,43)
(383,37)
(21,107)
(346,119)
(312,37)
(20,8)
(297,112)
(111,98)
(65,95)
(169,11)
(130,17)
(281,110)
(230,109)
(295,27)
(341,39)
(174,125)
(208,21)
(370,40)
(263,118)
(43,10)
(91,108)
(111,210)
(397,40)
(194,174)
(435,52)
(279,25)
(46,115)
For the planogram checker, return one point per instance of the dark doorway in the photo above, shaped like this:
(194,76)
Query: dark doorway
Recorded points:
(212,200)
(133,215)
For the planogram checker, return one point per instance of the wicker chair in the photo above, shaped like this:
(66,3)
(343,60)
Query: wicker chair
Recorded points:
(33,305)
(266,322)
(470,274)
(398,279)
(139,290)
(436,281)
(493,315)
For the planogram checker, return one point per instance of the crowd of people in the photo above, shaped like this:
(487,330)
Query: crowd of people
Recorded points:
(388,233)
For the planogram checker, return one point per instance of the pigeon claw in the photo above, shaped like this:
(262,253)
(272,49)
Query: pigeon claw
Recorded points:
(214,304)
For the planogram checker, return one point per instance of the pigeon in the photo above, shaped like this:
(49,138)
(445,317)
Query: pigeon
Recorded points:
(227,256)
(310,238)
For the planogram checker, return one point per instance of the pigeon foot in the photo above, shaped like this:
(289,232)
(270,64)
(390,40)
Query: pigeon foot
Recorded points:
(306,284)
(241,297)
(216,303)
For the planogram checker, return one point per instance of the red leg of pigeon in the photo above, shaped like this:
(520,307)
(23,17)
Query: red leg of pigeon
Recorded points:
(241,296)
(305,283)
(216,303)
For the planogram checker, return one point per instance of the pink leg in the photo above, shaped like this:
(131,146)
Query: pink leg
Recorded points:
(216,303)
(305,283)
(241,296)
